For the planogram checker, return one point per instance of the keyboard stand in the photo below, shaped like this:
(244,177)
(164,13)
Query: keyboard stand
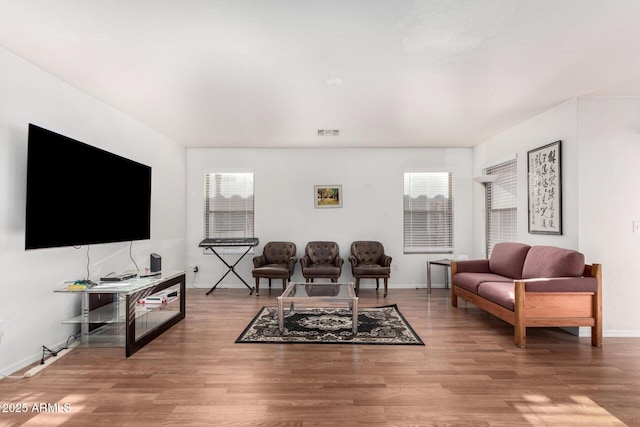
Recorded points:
(212,244)
(230,269)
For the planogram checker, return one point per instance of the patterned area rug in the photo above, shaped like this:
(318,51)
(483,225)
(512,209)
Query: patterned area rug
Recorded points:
(379,325)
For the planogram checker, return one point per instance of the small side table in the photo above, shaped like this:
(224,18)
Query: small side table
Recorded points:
(446,263)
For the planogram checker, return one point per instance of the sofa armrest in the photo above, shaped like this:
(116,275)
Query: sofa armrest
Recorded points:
(292,263)
(259,261)
(385,260)
(305,261)
(470,266)
(353,261)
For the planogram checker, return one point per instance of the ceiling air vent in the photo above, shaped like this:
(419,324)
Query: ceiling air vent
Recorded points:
(328,132)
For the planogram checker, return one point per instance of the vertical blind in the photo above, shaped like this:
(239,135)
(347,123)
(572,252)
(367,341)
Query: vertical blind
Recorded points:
(428,212)
(502,204)
(229,205)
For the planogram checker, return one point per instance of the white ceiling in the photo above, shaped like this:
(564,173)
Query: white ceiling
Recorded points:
(386,73)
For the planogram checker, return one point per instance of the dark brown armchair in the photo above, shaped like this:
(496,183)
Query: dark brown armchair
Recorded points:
(321,260)
(278,260)
(368,261)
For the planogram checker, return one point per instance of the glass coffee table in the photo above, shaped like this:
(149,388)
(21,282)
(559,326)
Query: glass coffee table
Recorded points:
(318,295)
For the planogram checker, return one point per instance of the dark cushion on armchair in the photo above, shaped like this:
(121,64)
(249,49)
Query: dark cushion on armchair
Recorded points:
(322,260)
(278,260)
(368,261)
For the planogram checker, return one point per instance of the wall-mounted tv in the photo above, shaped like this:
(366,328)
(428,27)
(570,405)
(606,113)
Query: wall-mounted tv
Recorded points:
(78,194)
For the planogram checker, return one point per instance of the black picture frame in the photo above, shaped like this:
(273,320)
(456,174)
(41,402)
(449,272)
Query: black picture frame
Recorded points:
(544,172)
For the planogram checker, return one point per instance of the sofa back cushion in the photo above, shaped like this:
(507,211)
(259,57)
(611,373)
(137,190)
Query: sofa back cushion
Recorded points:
(551,261)
(507,259)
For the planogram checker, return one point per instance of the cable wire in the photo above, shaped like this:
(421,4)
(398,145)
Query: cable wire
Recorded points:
(131,256)
(88,261)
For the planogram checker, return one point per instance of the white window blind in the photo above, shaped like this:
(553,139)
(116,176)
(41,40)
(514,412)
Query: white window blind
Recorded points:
(428,212)
(229,205)
(502,204)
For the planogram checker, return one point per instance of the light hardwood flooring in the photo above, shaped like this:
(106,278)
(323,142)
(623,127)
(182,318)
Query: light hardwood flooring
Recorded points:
(469,373)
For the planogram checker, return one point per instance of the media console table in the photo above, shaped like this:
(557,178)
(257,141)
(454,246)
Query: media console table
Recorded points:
(113,314)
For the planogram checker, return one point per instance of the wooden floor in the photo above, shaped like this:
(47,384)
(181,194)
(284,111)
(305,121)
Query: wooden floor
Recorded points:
(469,373)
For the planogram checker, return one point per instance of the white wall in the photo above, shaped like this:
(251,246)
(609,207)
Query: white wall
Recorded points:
(560,123)
(609,130)
(600,196)
(372,183)
(31,313)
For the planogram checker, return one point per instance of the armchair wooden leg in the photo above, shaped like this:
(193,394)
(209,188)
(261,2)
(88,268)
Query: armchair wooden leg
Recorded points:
(385,286)
(284,284)
(334,280)
(269,283)
(257,286)
(357,286)
(377,283)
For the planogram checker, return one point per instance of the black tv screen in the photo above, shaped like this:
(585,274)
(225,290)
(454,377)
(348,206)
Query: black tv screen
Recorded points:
(78,194)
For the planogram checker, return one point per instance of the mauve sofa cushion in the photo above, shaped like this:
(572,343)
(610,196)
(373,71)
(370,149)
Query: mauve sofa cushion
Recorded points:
(471,281)
(507,259)
(501,293)
(563,284)
(551,261)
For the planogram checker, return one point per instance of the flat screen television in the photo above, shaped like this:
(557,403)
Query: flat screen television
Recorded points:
(78,194)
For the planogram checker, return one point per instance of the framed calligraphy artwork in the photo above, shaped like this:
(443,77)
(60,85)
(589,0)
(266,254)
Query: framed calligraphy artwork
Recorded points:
(545,189)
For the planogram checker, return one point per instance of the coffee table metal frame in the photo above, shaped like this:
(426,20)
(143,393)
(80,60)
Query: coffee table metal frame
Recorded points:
(318,295)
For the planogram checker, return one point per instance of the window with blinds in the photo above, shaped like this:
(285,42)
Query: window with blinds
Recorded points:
(228,205)
(502,204)
(428,212)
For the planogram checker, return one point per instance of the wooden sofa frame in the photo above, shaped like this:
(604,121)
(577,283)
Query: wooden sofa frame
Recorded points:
(544,309)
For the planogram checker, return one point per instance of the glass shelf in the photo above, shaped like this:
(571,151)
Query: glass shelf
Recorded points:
(127,321)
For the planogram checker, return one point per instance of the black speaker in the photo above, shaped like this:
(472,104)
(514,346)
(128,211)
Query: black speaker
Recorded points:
(155,263)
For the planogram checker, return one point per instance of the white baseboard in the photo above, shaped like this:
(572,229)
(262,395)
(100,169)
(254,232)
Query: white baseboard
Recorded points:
(52,359)
(21,364)
(585,332)
(621,333)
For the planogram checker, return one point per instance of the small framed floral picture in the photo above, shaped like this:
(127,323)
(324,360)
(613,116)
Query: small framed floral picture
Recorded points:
(328,196)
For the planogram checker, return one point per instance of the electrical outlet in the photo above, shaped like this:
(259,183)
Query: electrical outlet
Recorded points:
(636,226)
(395,267)
(193,268)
